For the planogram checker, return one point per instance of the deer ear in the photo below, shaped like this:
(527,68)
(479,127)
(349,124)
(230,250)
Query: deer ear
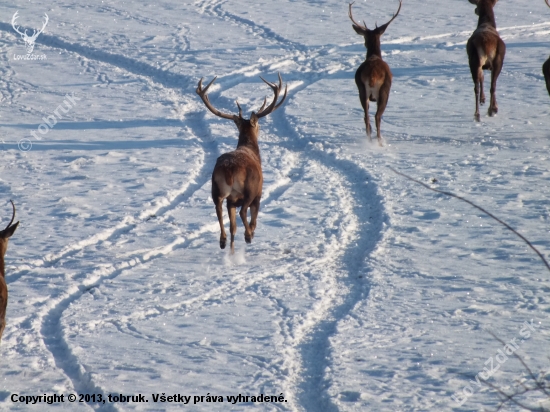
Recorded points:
(474,2)
(253,119)
(5,234)
(359,30)
(382,29)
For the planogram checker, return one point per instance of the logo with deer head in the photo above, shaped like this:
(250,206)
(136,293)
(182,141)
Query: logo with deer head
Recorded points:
(29,40)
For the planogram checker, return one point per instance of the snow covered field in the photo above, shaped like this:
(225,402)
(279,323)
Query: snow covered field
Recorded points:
(361,291)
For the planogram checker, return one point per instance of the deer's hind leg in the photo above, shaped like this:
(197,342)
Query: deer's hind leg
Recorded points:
(218,201)
(383,97)
(254,209)
(477,73)
(244,214)
(232,211)
(364,99)
(498,62)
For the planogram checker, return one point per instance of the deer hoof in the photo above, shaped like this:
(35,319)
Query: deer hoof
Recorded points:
(482,100)
(223,242)
(477,117)
(248,239)
(493,111)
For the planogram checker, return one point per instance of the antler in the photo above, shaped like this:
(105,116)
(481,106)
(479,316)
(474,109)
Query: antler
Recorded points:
(394,16)
(363,26)
(274,105)
(36,33)
(13,216)
(202,93)
(16,28)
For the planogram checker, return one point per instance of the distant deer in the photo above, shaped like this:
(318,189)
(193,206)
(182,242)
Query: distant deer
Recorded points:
(546,65)
(237,175)
(29,40)
(4,236)
(373,78)
(486,51)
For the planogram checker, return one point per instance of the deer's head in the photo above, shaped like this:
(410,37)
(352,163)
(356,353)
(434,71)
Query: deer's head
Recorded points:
(372,37)
(484,8)
(29,40)
(248,128)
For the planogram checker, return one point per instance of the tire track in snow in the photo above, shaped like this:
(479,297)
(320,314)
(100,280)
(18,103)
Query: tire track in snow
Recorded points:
(308,339)
(307,346)
(214,8)
(234,286)
(52,329)
(163,77)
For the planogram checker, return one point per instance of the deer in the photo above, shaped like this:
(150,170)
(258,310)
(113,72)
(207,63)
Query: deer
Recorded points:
(237,176)
(546,65)
(4,237)
(29,40)
(486,51)
(373,77)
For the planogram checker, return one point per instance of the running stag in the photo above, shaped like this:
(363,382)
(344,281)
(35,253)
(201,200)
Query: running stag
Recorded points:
(546,66)
(373,78)
(237,175)
(486,51)
(4,236)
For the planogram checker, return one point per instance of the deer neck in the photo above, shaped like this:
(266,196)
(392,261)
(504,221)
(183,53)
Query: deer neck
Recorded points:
(249,141)
(486,16)
(374,49)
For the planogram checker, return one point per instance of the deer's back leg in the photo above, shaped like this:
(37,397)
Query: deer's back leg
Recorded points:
(498,61)
(243,213)
(232,211)
(218,201)
(383,96)
(254,209)
(364,99)
(477,73)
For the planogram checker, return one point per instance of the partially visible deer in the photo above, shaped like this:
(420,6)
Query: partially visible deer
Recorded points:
(486,51)
(373,78)
(546,65)
(237,175)
(29,40)
(4,236)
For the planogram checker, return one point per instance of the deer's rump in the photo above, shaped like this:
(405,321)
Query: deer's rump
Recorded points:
(372,75)
(485,42)
(235,171)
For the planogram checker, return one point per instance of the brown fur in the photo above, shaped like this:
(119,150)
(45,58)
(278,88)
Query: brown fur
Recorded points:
(4,237)
(546,65)
(373,77)
(237,176)
(546,72)
(486,51)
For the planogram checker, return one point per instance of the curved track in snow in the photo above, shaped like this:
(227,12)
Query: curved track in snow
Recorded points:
(304,338)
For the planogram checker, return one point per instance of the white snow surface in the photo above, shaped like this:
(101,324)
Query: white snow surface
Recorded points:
(361,291)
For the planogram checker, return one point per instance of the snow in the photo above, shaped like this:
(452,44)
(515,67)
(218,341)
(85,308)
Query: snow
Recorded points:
(360,291)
